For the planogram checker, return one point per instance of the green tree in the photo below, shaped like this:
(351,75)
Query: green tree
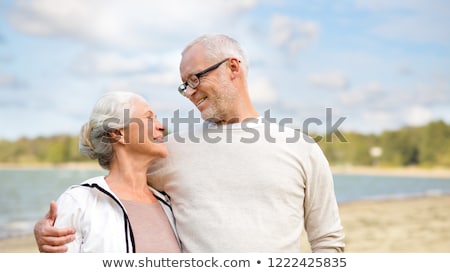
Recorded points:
(434,145)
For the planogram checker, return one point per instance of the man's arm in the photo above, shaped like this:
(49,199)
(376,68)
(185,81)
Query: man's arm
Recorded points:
(322,220)
(51,239)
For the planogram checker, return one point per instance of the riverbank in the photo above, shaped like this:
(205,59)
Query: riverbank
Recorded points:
(384,171)
(412,225)
(88,165)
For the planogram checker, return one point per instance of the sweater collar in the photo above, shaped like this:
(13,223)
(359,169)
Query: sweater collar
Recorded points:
(247,123)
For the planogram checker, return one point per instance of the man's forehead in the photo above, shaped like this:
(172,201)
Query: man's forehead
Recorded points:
(192,54)
(191,61)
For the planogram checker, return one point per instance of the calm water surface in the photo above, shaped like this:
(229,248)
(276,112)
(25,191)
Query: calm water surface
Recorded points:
(25,194)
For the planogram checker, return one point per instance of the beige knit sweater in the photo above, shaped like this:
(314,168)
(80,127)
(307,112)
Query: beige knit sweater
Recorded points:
(249,187)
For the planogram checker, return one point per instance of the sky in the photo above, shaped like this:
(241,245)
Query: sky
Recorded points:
(359,65)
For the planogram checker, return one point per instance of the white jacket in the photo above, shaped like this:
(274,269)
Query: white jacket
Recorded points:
(99,218)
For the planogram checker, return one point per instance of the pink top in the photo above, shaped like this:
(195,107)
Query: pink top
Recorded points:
(151,228)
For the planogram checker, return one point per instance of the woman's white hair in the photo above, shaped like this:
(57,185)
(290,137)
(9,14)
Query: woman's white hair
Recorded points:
(108,115)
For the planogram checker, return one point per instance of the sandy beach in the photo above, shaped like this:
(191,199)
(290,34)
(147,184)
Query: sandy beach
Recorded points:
(413,225)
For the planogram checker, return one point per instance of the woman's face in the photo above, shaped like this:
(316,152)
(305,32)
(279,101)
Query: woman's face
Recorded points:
(144,133)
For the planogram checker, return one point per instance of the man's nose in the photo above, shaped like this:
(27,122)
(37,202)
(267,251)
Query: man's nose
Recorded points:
(190,91)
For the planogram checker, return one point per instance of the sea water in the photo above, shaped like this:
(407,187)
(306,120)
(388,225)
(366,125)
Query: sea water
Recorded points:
(25,194)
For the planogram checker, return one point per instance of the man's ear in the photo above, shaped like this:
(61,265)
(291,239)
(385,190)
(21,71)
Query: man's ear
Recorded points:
(235,65)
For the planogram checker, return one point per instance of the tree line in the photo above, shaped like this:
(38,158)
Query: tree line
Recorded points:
(423,146)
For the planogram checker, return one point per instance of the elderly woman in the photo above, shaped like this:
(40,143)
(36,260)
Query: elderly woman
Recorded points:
(119,212)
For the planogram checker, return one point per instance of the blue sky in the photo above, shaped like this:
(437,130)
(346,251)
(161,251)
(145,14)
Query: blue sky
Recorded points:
(379,64)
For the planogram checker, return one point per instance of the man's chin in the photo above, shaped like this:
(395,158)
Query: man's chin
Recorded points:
(207,115)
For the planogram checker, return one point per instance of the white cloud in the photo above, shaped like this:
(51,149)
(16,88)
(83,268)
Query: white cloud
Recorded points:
(331,80)
(10,81)
(117,84)
(437,91)
(415,28)
(434,6)
(374,120)
(262,91)
(361,95)
(164,78)
(136,44)
(125,24)
(6,80)
(291,33)
(406,69)
(113,63)
(417,115)
(418,21)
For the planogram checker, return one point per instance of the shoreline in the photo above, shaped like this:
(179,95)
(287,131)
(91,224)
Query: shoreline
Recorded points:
(385,171)
(49,166)
(436,172)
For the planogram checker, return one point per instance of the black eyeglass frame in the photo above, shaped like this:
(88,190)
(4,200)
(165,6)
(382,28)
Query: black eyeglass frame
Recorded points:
(194,80)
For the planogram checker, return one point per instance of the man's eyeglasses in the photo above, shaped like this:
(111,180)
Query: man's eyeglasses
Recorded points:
(194,80)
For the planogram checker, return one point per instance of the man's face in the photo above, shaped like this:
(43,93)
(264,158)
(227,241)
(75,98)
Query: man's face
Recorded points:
(213,97)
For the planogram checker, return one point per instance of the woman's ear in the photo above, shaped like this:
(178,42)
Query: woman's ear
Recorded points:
(116,136)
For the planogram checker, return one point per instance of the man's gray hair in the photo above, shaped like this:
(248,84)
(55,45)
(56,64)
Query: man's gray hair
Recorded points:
(220,46)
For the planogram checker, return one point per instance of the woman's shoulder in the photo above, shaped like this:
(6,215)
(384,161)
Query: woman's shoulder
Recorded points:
(82,190)
(97,180)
